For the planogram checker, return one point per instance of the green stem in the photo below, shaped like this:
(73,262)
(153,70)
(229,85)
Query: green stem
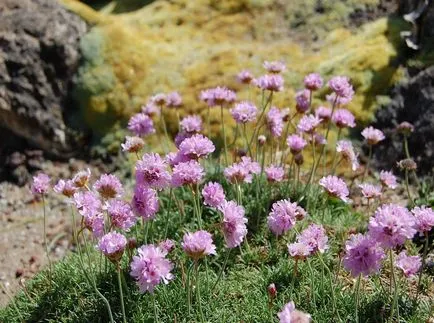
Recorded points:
(121,294)
(357,297)
(367,163)
(155,308)
(224,135)
(258,123)
(247,140)
(167,214)
(208,121)
(163,121)
(47,252)
(331,287)
(222,269)
(196,268)
(395,287)
(189,290)
(425,253)
(408,188)
(336,152)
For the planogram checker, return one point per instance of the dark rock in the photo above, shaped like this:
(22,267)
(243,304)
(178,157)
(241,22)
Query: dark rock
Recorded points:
(39,50)
(412,101)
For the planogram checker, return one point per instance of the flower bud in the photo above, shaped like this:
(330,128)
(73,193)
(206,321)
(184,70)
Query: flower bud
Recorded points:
(298,159)
(261,140)
(407,164)
(272,291)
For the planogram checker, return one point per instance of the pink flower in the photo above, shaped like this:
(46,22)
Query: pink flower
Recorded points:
(290,315)
(339,100)
(133,144)
(159,99)
(108,186)
(145,202)
(151,171)
(191,124)
(388,179)
(242,171)
(87,203)
(302,99)
(296,143)
(275,121)
(409,265)
(121,214)
(81,178)
(313,81)
(363,255)
(187,173)
(181,136)
(273,82)
(95,223)
(113,245)
(318,139)
(341,86)
(175,158)
(343,118)
(244,112)
(167,245)
(218,96)
(197,146)
(315,237)
(234,223)
(345,147)
(274,173)
(173,100)
(299,250)
(150,267)
(245,77)
(308,123)
(370,191)
(424,218)
(274,67)
(391,225)
(66,188)
(373,136)
(335,187)
(198,244)
(213,194)
(323,113)
(141,125)
(41,184)
(151,109)
(282,217)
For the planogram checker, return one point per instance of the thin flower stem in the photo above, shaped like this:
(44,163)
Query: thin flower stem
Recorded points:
(222,269)
(196,268)
(208,121)
(395,287)
(188,285)
(357,297)
(331,286)
(167,214)
(155,308)
(258,123)
(247,141)
(408,189)
(224,135)
(425,253)
(163,121)
(121,294)
(367,163)
(336,153)
(45,240)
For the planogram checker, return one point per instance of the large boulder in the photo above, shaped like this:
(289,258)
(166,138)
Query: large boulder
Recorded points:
(39,54)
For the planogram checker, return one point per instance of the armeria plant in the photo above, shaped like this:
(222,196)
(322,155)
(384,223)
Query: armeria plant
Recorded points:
(276,143)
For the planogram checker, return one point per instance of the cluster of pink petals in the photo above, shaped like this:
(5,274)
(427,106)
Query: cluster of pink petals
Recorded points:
(244,112)
(345,147)
(198,244)
(187,173)
(121,214)
(108,186)
(290,315)
(323,113)
(133,144)
(313,81)
(335,187)
(141,125)
(370,191)
(338,100)
(159,99)
(67,188)
(174,158)
(409,265)
(112,245)
(344,118)
(151,109)
(342,88)
(315,237)
(242,171)
(270,82)
(218,96)
(181,136)
(145,202)
(274,66)
(191,124)
(373,136)
(197,146)
(388,179)
(167,245)
(424,217)
(234,223)
(299,251)
(87,203)
(283,216)
(302,99)
(275,121)
(296,143)
(308,123)
(151,171)
(150,267)
(245,77)
(213,194)
(363,255)
(41,184)
(392,225)
(81,178)
(318,139)
(173,100)
(274,173)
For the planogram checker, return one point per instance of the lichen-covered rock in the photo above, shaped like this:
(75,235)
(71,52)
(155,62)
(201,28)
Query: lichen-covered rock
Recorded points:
(39,54)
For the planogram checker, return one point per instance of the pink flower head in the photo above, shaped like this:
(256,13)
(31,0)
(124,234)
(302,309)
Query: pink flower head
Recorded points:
(335,187)
(409,265)
(392,225)
(150,267)
(252,166)
(121,214)
(173,100)
(302,99)
(318,139)
(299,250)
(141,125)
(323,113)
(296,143)
(191,124)
(370,191)
(273,82)
(315,237)
(245,77)
(313,81)
(363,255)
(424,218)
(108,186)
(151,109)
(213,194)
(373,136)
(274,173)
(308,123)
(113,245)
(345,147)
(159,99)
(87,203)
(388,179)
(41,184)
(290,315)
(175,158)
(339,100)
(274,67)
(95,223)
(275,121)
(145,202)
(282,217)
(181,136)
(341,86)
(81,178)
(198,244)
(343,118)
(66,188)
(151,171)
(197,146)
(244,112)
(234,223)
(237,174)
(133,144)
(218,96)
(167,245)
(188,173)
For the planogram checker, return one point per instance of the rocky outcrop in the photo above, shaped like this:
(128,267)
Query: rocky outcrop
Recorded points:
(39,53)
(412,101)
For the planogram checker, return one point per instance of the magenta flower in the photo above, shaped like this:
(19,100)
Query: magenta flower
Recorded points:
(141,125)
(282,217)
(188,173)
(392,225)
(151,171)
(245,77)
(133,144)
(424,217)
(198,244)
(244,112)
(41,184)
(191,124)
(112,245)
(167,246)
(181,136)
(370,191)
(302,99)
(363,255)
(409,265)
(108,186)
(296,143)
(236,174)
(150,267)
(275,121)
(218,96)
(121,214)
(299,250)
(252,166)
(274,173)
(323,113)
(346,149)
(197,146)
(290,315)
(388,179)
(66,188)
(87,203)
(95,223)
(313,81)
(273,82)
(373,136)
(213,194)
(340,85)
(173,100)
(159,99)
(315,237)
(234,223)
(308,123)
(145,202)
(335,187)
(175,158)
(274,67)
(81,178)
(343,118)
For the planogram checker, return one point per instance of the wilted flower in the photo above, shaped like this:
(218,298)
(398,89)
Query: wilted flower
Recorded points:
(121,214)
(424,218)
(187,173)
(275,121)
(159,99)
(298,159)
(313,81)
(244,112)
(108,186)
(308,123)
(197,146)
(282,217)
(409,265)
(173,100)
(133,144)
(388,179)
(113,245)
(141,125)
(343,118)
(274,173)
(66,188)
(145,202)
(274,66)
(370,191)
(151,171)
(245,77)
(191,124)
(234,223)
(315,237)
(273,82)
(373,136)
(407,164)
(213,194)
(302,99)
(296,143)
(218,96)
(198,244)
(81,178)
(335,187)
